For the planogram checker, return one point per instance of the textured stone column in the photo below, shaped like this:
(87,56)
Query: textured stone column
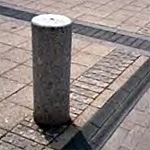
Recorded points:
(51,42)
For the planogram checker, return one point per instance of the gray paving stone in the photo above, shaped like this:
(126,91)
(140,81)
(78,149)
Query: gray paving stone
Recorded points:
(140,118)
(93,81)
(137,123)
(31,134)
(110,65)
(16,55)
(122,148)
(130,41)
(114,38)
(119,98)
(144,103)
(137,43)
(131,84)
(86,30)
(144,143)
(21,74)
(89,130)
(4,48)
(47,148)
(80,98)
(103,73)
(98,77)
(83,96)
(24,97)
(133,137)
(116,139)
(64,138)
(145,45)
(75,110)
(84,92)
(92,32)
(103,114)
(77,104)
(29,124)
(73,116)
(122,39)
(2,132)
(88,86)
(11,114)
(6,65)
(142,71)
(111,70)
(107,35)
(7,146)
(21,142)
(99,34)
(77,28)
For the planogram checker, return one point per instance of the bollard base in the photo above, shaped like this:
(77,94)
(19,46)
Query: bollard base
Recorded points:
(51,122)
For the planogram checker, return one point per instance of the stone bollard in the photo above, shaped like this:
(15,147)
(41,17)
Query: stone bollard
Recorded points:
(51,43)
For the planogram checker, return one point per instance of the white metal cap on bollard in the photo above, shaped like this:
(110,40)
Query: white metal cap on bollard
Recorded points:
(51,20)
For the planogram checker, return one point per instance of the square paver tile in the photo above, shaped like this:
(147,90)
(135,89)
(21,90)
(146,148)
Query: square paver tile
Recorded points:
(139,118)
(4,47)
(25,32)
(16,55)
(85,59)
(21,74)
(116,139)
(79,44)
(7,146)
(6,65)
(24,97)
(21,142)
(98,49)
(26,45)
(13,39)
(8,87)
(102,98)
(133,137)
(11,114)
(2,132)
(144,143)
(77,70)
(12,26)
(28,63)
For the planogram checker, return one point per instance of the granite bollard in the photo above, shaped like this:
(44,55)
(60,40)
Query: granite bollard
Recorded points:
(51,44)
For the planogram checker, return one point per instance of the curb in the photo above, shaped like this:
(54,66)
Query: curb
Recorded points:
(112,113)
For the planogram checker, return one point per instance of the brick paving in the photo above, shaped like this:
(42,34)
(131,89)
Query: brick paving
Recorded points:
(130,15)
(131,39)
(133,132)
(103,74)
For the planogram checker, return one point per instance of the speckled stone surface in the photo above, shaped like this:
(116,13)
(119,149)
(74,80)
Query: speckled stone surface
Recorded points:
(51,73)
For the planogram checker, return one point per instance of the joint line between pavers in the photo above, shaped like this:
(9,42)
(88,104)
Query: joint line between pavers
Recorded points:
(90,26)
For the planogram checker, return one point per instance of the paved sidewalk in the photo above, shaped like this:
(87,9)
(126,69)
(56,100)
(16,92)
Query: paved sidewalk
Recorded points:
(134,131)
(129,15)
(103,74)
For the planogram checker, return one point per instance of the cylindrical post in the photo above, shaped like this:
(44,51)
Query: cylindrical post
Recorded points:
(51,42)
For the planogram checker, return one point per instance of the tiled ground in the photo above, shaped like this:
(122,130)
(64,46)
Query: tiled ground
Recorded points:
(133,133)
(129,15)
(98,70)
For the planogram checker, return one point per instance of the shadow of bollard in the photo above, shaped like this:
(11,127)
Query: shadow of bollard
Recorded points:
(79,142)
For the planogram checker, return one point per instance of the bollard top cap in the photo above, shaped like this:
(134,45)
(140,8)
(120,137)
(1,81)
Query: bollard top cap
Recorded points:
(51,20)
